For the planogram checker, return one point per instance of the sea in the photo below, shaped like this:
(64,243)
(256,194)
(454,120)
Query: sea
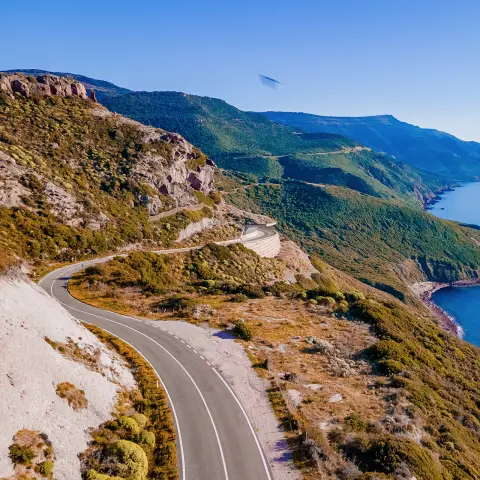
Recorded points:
(462,303)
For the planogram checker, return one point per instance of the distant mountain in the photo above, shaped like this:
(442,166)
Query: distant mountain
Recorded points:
(102,88)
(250,143)
(423,148)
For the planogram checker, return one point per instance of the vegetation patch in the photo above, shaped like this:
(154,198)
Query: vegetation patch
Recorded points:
(73,351)
(75,397)
(32,455)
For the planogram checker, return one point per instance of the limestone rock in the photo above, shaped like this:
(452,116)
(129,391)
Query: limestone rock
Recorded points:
(42,85)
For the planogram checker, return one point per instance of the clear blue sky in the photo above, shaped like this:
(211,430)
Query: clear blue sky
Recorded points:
(417,60)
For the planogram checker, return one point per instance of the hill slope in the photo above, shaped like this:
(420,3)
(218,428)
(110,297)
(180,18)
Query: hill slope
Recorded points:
(385,244)
(423,148)
(249,143)
(77,179)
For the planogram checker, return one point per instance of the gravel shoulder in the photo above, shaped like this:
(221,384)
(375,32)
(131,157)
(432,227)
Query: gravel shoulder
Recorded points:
(229,358)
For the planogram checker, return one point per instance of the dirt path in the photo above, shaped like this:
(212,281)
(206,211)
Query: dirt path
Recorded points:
(175,210)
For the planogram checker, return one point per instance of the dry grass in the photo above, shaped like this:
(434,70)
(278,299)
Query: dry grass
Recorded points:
(85,355)
(75,397)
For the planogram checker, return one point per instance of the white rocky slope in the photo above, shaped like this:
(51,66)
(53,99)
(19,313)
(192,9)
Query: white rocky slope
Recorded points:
(30,369)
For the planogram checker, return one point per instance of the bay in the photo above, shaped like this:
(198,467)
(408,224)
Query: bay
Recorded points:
(461,204)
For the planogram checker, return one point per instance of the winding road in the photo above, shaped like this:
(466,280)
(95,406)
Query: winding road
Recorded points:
(215,438)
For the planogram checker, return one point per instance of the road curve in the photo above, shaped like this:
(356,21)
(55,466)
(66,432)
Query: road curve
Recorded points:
(215,439)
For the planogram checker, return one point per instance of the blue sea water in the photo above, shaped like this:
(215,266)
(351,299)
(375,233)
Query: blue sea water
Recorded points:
(462,303)
(461,204)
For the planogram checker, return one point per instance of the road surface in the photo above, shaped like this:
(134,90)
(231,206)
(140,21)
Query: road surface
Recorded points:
(215,439)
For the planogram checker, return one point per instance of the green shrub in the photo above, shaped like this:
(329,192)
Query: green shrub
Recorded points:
(325,301)
(94,475)
(93,270)
(45,468)
(242,331)
(141,419)
(355,423)
(129,424)
(252,291)
(148,438)
(132,460)
(239,298)
(354,296)
(343,307)
(386,454)
(20,454)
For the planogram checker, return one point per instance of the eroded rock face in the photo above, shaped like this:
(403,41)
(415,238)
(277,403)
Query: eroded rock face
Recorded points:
(43,85)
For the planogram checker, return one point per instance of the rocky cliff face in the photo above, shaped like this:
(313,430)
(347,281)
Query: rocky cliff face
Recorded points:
(42,85)
(163,170)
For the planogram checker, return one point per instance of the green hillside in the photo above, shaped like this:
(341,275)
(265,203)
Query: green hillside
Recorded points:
(427,149)
(249,143)
(383,243)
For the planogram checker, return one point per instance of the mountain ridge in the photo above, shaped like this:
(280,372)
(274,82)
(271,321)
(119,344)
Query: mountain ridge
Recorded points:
(425,148)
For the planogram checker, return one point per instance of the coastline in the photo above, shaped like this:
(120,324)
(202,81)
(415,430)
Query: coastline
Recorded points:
(425,290)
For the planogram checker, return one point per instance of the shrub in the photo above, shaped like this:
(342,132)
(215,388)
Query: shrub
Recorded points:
(239,298)
(93,270)
(325,301)
(21,454)
(355,422)
(386,454)
(354,296)
(94,475)
(343,307)
(45,468)
(132,459)
(75,397)
(129,424)
(242,331)
(148,438)
(141,419)
(252,291)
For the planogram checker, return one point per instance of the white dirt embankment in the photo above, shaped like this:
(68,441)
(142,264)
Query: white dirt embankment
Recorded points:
(30,369)
(229,357)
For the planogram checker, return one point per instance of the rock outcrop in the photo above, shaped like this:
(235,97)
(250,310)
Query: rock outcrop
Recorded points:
(43,85)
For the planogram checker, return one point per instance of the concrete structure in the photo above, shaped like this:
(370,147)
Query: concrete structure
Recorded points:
(261,239)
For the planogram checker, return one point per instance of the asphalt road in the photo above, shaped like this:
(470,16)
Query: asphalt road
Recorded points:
(215,439)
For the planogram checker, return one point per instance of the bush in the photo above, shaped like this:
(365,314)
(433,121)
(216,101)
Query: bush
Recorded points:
(129,424)
(75,397)
(386,454)
(20,454)
(343,307)
(325,301)
(239,298)
(141,419)
(132,459)
(354,296)
(252,291)
(45,468)
(94,475)
(148,438)
(93,270)
(242,331)
(355,422)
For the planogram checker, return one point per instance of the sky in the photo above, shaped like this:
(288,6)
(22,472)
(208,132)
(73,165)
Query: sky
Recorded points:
(417,60)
